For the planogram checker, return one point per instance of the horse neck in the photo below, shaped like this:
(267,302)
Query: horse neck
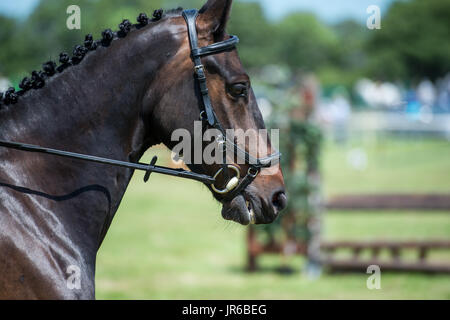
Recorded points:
(97,106)
(92,108)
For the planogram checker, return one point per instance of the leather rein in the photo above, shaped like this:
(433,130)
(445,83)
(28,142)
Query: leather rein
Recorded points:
(235,185)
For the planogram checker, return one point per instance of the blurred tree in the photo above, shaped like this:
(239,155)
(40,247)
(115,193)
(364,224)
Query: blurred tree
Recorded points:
(44,34)
(413,42)
(7,31)
(351,57)
(257,47)
(302,41)
(352,38)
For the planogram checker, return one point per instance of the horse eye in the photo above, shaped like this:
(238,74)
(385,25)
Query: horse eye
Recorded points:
(238,90)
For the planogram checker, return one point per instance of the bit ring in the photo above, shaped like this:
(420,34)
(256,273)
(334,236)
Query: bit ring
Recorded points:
(232,183)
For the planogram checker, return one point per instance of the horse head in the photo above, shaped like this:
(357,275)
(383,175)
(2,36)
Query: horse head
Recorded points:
(204,86)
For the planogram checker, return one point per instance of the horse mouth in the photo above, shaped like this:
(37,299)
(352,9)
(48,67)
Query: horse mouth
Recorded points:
(240,210)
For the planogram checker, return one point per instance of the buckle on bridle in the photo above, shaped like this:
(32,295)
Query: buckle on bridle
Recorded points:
(200,70)
(253,172)
(203,116)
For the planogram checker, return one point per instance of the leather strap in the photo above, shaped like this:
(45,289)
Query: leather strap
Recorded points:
(245,182)
(191,18)
(216,47)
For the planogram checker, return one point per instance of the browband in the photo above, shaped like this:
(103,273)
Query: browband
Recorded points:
(191,17)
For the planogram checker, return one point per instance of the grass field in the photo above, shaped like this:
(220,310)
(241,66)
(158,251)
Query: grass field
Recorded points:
(168,240)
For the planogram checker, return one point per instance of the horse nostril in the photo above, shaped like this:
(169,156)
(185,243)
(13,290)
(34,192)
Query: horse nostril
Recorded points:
(279,201)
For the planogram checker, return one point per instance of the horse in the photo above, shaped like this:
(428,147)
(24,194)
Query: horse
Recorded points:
(117,97)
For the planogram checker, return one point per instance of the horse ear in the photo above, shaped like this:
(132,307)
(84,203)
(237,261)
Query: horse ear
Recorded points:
(214,16)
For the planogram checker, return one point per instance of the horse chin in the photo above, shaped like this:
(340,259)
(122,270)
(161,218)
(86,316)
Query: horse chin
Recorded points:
(240,211)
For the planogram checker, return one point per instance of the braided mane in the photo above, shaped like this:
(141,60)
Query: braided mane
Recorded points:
(50,68)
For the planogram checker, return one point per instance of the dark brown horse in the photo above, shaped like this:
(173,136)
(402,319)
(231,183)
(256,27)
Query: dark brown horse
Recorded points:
(113,100)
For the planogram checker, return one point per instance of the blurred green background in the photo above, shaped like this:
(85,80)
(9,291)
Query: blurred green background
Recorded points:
(413,42)
(168,240)
(175,245)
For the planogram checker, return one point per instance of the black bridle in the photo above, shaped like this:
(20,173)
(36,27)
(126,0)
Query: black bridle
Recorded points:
(207,114)
(235,185)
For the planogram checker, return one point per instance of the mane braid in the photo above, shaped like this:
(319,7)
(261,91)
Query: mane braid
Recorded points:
(50,68)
